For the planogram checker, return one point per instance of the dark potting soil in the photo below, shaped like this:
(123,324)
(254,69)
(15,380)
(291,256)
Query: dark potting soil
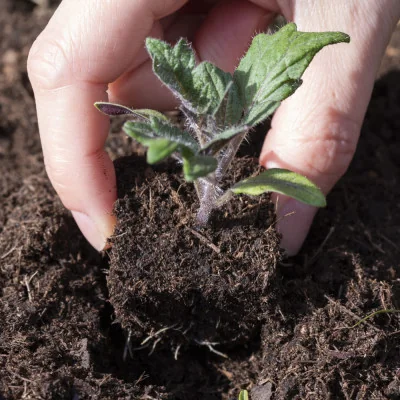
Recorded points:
(60,329)
(170,276)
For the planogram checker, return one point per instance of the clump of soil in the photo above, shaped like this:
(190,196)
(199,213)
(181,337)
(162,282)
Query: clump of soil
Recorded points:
(168,275)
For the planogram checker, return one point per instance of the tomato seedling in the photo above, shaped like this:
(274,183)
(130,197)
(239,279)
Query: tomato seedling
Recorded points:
(220,109)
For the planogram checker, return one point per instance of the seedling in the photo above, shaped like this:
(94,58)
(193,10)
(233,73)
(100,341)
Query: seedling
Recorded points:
(220,109)
(244,395)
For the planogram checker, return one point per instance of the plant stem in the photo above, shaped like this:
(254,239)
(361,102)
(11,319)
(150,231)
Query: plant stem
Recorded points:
(207,188)
(207,191)
(229,154)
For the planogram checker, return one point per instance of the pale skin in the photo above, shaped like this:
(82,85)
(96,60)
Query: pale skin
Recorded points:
(93,51)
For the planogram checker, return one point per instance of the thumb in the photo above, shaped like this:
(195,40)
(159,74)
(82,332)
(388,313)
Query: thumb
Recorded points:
(315,132)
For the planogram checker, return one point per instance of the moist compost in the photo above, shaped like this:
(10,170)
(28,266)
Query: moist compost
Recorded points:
(60,337)
(195,285)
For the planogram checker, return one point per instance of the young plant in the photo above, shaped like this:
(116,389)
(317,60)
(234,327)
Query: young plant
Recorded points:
(244,395)
(220,109)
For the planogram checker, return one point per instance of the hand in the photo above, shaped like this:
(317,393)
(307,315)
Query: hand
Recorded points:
(91,46)
(315,132)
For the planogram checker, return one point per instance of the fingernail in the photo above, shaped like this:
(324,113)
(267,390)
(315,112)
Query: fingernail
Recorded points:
(95,233)
(293,222)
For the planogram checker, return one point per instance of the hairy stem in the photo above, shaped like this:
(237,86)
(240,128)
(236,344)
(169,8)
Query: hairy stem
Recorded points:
(207,191)
(228,155)
(207,188)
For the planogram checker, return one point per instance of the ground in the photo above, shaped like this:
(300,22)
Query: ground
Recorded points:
(61,339)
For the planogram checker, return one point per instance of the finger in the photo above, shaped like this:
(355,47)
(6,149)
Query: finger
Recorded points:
(315,132)
(85,46)
(222,39)
(226,33)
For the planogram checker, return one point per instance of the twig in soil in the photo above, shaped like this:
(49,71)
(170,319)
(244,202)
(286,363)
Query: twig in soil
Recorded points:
(27,282)
(177,352)
(128,346)
(6,254)
(348,312)
(389,241)
(155,343)
(374,245)
(145,343)
(141,378)
(313,258)
(205,240)
(211,348)
(384,311)
(151,336)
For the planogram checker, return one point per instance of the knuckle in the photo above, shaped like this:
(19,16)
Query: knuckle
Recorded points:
(332,151)
(48,63)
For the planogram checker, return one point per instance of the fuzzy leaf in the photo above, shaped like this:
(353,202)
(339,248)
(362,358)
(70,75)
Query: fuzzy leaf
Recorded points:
(234,108)
(244,395)
(160,149)
(112,110)
(173,133)
(173,65)
(198,166)
(210,87)
(201,89)
(285,182)
(222,139)
(271,69)
(161,138)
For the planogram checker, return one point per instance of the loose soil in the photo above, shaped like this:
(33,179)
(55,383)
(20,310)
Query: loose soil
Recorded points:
(171,276)
(65,333)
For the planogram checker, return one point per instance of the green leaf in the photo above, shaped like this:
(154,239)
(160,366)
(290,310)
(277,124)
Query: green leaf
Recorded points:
(210,87)
(173,65)
(285,182)
(222,139)
(234,107)
(198,166)
(173,133)
(160,149)
(244,395)
(271,69)
(201,89)
(161,138)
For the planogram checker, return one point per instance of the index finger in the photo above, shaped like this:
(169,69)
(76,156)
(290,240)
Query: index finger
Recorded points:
(85,46)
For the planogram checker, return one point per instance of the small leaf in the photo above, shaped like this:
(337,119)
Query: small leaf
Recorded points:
(113,110)
(210,87)
(222,139)
(161,138)
(244,395)
(147,114)
(159,150)
(173,133)
(285,182)
(234,107)
(195,167)
(173,65)
(272,67)
(202,88)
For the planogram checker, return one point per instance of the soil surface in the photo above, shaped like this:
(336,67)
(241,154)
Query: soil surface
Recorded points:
(60,322)
(171,276)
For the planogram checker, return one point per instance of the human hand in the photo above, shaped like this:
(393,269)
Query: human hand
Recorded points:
(89,45)
(315,131)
